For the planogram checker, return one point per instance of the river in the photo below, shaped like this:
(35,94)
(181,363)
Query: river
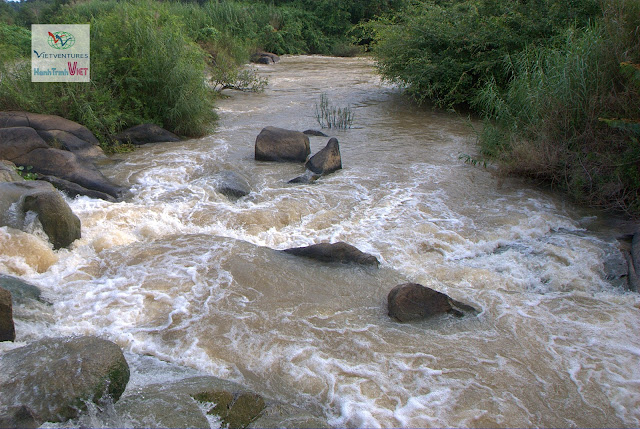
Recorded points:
(180,272)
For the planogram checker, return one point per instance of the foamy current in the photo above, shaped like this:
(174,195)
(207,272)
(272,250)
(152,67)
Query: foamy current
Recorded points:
(180,272)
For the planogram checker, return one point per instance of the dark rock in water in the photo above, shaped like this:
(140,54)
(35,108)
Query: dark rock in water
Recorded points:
(183,403)
(58,221)
(327,160)
(21,291)
(19,417)
(60,224)
(146,133)
(315,133)
(55,377)
(334,252)
(264,58)
(7,328)
(232,184)
(308,177)
(411,301)
(278,144)
(633,281)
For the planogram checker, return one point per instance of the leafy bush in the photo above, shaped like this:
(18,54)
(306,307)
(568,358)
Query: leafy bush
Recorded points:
(569,116)
(445,51)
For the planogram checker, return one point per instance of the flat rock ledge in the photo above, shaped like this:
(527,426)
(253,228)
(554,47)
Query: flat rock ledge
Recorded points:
(335,252)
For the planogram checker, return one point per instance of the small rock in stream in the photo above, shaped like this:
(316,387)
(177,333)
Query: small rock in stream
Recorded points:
(411,301)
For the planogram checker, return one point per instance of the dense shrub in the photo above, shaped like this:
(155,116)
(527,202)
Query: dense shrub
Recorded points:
(571,114)
(445,51)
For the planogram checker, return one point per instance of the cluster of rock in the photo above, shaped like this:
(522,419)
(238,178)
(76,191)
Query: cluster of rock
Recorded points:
(58,150)
(282,145)
(262,57)
(54,380)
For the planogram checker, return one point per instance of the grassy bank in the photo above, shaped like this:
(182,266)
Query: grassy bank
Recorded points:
(557,83)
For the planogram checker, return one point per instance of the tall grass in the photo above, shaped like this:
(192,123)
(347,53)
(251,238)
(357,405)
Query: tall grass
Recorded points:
(551,122)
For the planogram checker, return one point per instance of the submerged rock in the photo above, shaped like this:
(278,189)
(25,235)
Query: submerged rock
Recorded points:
(308,177)
(186,403)
(316,133)
(146,133)
(412,301)
(334,252)
(232,184)
(53,378)
(327,160)
(278,144)
(21,291)
(7,328)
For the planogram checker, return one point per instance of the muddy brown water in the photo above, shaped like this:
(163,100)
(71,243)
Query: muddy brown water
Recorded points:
(180,272)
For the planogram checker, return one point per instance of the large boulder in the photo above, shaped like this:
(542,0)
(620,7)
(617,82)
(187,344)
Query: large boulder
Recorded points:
(232,184)
(412,301)
(7,328)
(58,132)
(327,160)
(60,224)
(145,133)
(53,379)
(278,144)
(334,252)
(186,403)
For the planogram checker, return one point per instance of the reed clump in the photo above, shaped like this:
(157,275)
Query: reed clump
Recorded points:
(329,116)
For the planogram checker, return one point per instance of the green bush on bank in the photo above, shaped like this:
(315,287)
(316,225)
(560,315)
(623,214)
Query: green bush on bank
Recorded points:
(567,115)
(445,51)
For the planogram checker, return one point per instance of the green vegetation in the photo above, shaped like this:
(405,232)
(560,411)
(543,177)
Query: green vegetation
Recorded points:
(329,116)
(557,82)
(165,61)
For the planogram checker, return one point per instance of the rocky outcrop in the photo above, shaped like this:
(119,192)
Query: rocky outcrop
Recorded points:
(146,133)
(232,184)
(412,301)
(278,144)
(334,252)
(54,146)
(56,131)
(7,328)
(264,58)
(186,402)
(52,379)
(58,221)
(327,160)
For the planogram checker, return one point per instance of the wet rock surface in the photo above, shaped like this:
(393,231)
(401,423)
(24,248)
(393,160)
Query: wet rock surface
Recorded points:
(334,252)
(53,378)
(279,144)
(411,301)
